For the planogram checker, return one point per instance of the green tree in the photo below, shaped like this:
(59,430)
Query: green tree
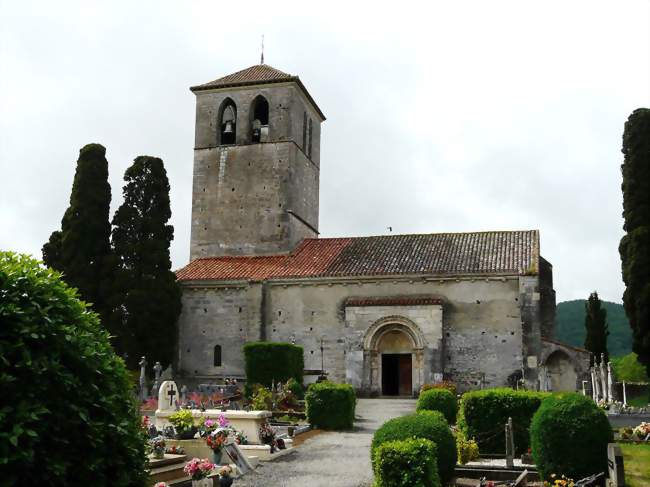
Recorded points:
(148,299)
(68,416)
(81,249)
(628,369)
(635,244)
(596,326)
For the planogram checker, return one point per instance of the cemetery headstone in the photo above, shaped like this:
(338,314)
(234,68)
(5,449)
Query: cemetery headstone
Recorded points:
(167,396)
(157,370)
(615,465)
(510,445)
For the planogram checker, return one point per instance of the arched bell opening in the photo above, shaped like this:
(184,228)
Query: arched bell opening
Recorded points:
(227,123)
(260,120)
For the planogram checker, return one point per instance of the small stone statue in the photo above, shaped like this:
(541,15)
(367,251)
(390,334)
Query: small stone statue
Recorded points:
(157,371)
(143,378)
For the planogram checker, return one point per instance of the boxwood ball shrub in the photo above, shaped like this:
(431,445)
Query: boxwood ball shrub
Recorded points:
(484,414)
(569,436)
(430,425)
(268,362)
(68,417)
(438,400)
(330,406)
(406,463)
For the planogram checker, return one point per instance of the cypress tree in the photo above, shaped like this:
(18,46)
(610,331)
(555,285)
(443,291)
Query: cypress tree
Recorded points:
(81,249)
(149,294)
(596,325)
(635,244)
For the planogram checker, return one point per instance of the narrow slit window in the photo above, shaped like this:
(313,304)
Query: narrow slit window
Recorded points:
(217,355)
(310,138)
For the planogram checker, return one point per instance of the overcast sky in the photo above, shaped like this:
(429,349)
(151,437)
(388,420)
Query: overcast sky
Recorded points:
(441,117)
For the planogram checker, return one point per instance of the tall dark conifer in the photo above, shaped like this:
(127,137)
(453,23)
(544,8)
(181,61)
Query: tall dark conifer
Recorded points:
(81,249)
(150,297)
(635,245)
(596,325)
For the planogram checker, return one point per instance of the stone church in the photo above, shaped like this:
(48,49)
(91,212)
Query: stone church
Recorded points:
(386,313)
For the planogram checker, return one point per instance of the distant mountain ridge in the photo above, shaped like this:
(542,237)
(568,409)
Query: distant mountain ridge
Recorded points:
(570,326)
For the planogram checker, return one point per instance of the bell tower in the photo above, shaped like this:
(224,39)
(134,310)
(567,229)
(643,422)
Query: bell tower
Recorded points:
(256,164)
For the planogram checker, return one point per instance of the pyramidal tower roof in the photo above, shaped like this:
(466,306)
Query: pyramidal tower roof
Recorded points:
(256,75)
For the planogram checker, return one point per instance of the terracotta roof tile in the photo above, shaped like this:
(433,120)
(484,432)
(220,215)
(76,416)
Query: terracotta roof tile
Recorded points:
(502,253)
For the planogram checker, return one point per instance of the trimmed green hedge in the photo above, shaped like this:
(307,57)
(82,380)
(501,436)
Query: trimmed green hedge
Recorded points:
(484,414)
(569,435)
(267,362)
(406,463)
(430,425)
(438,400)
(330,406)
(69,417)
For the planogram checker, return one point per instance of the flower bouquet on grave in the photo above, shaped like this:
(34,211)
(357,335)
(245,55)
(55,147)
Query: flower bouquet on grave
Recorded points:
(216,441)
(240,437)
(207,426)
(198,469)
(157,446)
(175,450)
(642,431)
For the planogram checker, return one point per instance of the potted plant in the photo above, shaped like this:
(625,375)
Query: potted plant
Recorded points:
(157,445)
(216,441)
(225,478)
(183,423)
(198,470)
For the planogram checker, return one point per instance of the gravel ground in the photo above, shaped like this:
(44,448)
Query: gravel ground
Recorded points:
(332,459)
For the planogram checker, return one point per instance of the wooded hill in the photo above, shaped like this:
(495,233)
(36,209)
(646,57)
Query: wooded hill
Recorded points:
(570,326)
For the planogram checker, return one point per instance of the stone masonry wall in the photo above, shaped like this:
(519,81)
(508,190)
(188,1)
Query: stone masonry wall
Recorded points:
(483,335)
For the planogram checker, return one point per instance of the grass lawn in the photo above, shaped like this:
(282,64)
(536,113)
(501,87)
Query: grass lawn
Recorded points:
(638,402)
(636,459)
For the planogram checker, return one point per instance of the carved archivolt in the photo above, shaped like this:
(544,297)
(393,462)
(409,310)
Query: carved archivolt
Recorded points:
(389,324)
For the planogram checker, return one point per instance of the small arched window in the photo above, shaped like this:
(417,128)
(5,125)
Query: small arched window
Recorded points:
(228,123)
(217,355)
(310,136)
(260,121)
(304,131)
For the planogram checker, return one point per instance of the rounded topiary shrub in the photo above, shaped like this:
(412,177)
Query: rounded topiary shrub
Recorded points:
(569,436)
(69,416)
(438,400)
(430,425)
(406,463)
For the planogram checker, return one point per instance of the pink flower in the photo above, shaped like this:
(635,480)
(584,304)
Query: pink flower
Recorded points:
(223,422)
(209,423)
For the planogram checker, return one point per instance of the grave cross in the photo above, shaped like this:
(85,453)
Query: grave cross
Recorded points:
(171,393)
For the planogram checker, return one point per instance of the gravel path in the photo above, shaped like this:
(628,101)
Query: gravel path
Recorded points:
(332,459)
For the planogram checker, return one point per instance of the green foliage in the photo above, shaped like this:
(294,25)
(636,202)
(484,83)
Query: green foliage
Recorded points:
(81,249)
(569,434)
(182,420)
(147,299)
(570,329)
(296,388)
(68,417)
(406,463)
(445,384)
(467,450)
(269,362)
(330,406)
(439,399)
(629,369)
(634,248)
(262,400)
(429,425)
(596,327)
(483,415)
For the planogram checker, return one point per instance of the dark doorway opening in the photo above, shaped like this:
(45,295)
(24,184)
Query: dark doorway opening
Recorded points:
(396,374)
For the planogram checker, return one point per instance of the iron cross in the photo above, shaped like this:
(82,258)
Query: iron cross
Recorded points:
(171,393)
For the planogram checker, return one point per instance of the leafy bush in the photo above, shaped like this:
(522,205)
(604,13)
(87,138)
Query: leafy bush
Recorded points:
(330,406)
(467,450)
(445,384)
(296,388)
(569,435)
(438,400)
(629,369)
(430,425)
(183,421)
(68,417)
(269,362)
(262,400)
(483,415)
(406,463)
